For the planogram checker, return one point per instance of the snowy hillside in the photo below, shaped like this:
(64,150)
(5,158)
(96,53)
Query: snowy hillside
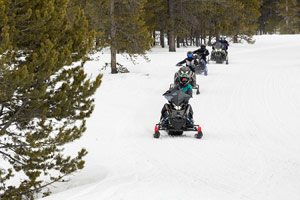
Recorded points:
(249,111)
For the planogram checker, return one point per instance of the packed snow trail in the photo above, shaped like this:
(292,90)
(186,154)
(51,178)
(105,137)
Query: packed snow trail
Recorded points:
(249,111)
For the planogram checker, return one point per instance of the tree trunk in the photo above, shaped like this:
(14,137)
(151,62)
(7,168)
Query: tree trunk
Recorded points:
(178,42)
(113,50)
(162,39)
(286,10)
(209,35)
(154,38)
(203,34)
(217,36)
(235,38)
(186,42)
(172,41)
(197,40)
(171,31)
(97,42)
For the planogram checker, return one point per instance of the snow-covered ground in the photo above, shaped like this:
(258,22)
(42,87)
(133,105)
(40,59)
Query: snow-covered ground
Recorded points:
(249,111)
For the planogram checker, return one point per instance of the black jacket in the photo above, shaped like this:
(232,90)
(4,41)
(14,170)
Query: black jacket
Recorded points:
(190,66)
(202,52)
(188,89)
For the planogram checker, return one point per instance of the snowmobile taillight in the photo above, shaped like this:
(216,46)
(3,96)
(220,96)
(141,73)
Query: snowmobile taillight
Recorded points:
(156,128)
(199,129)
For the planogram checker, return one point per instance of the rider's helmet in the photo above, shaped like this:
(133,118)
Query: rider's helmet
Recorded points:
(203,46)
(184,80)
(222,38)
(189,54)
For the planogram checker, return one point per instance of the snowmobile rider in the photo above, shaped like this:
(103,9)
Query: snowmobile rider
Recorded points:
(190,59)
(203,52)
(185,87)
(222,41)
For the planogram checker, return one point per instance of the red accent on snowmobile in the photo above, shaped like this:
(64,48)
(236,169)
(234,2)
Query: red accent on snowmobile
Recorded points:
(156,129)
(199,129)
(167,108)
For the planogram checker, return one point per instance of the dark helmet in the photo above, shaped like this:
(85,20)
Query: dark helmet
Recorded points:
(184,79)
(203,46)
(189,54)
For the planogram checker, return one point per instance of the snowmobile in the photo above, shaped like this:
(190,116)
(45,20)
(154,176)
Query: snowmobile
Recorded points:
(199,69)
(187,70)
(177,112)
(218,54)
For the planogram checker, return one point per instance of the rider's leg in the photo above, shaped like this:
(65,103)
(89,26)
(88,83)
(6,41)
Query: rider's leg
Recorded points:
(193,82)
(190,115)
(205,67)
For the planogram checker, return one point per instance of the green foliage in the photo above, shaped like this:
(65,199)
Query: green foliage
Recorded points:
(289,11)
(120,25)
(269,19)
(281,16)
(156,14)
(199,18)
(132,35)
(44,98)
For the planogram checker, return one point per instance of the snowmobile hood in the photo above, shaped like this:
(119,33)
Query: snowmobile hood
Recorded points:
(177,97)
(186,70)
(219,45)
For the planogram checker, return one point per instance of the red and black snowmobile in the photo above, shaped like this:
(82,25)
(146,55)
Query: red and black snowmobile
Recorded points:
(176,115)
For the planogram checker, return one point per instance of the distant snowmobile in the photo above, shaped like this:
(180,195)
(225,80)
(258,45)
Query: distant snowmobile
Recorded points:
(218,54)
(177,110)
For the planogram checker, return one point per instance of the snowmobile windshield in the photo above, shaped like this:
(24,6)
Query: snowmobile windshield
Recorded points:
(188,63)
(219,45)
(186,70)
(177,97)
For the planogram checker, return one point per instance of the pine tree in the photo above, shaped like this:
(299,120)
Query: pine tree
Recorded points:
(123,26)
(156,17)
(171,31)
(44,98)
(269,19)
(299,15)
(218,16)
(289,10)
(247,24)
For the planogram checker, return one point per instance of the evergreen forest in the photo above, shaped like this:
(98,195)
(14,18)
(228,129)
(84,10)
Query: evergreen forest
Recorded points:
(45,94)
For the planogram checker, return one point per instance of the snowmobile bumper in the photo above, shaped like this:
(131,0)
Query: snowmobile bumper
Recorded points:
(160,126)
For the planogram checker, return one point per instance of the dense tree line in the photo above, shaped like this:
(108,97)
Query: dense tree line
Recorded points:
(279,16)
(134,26)
(199,21)
(45,98)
